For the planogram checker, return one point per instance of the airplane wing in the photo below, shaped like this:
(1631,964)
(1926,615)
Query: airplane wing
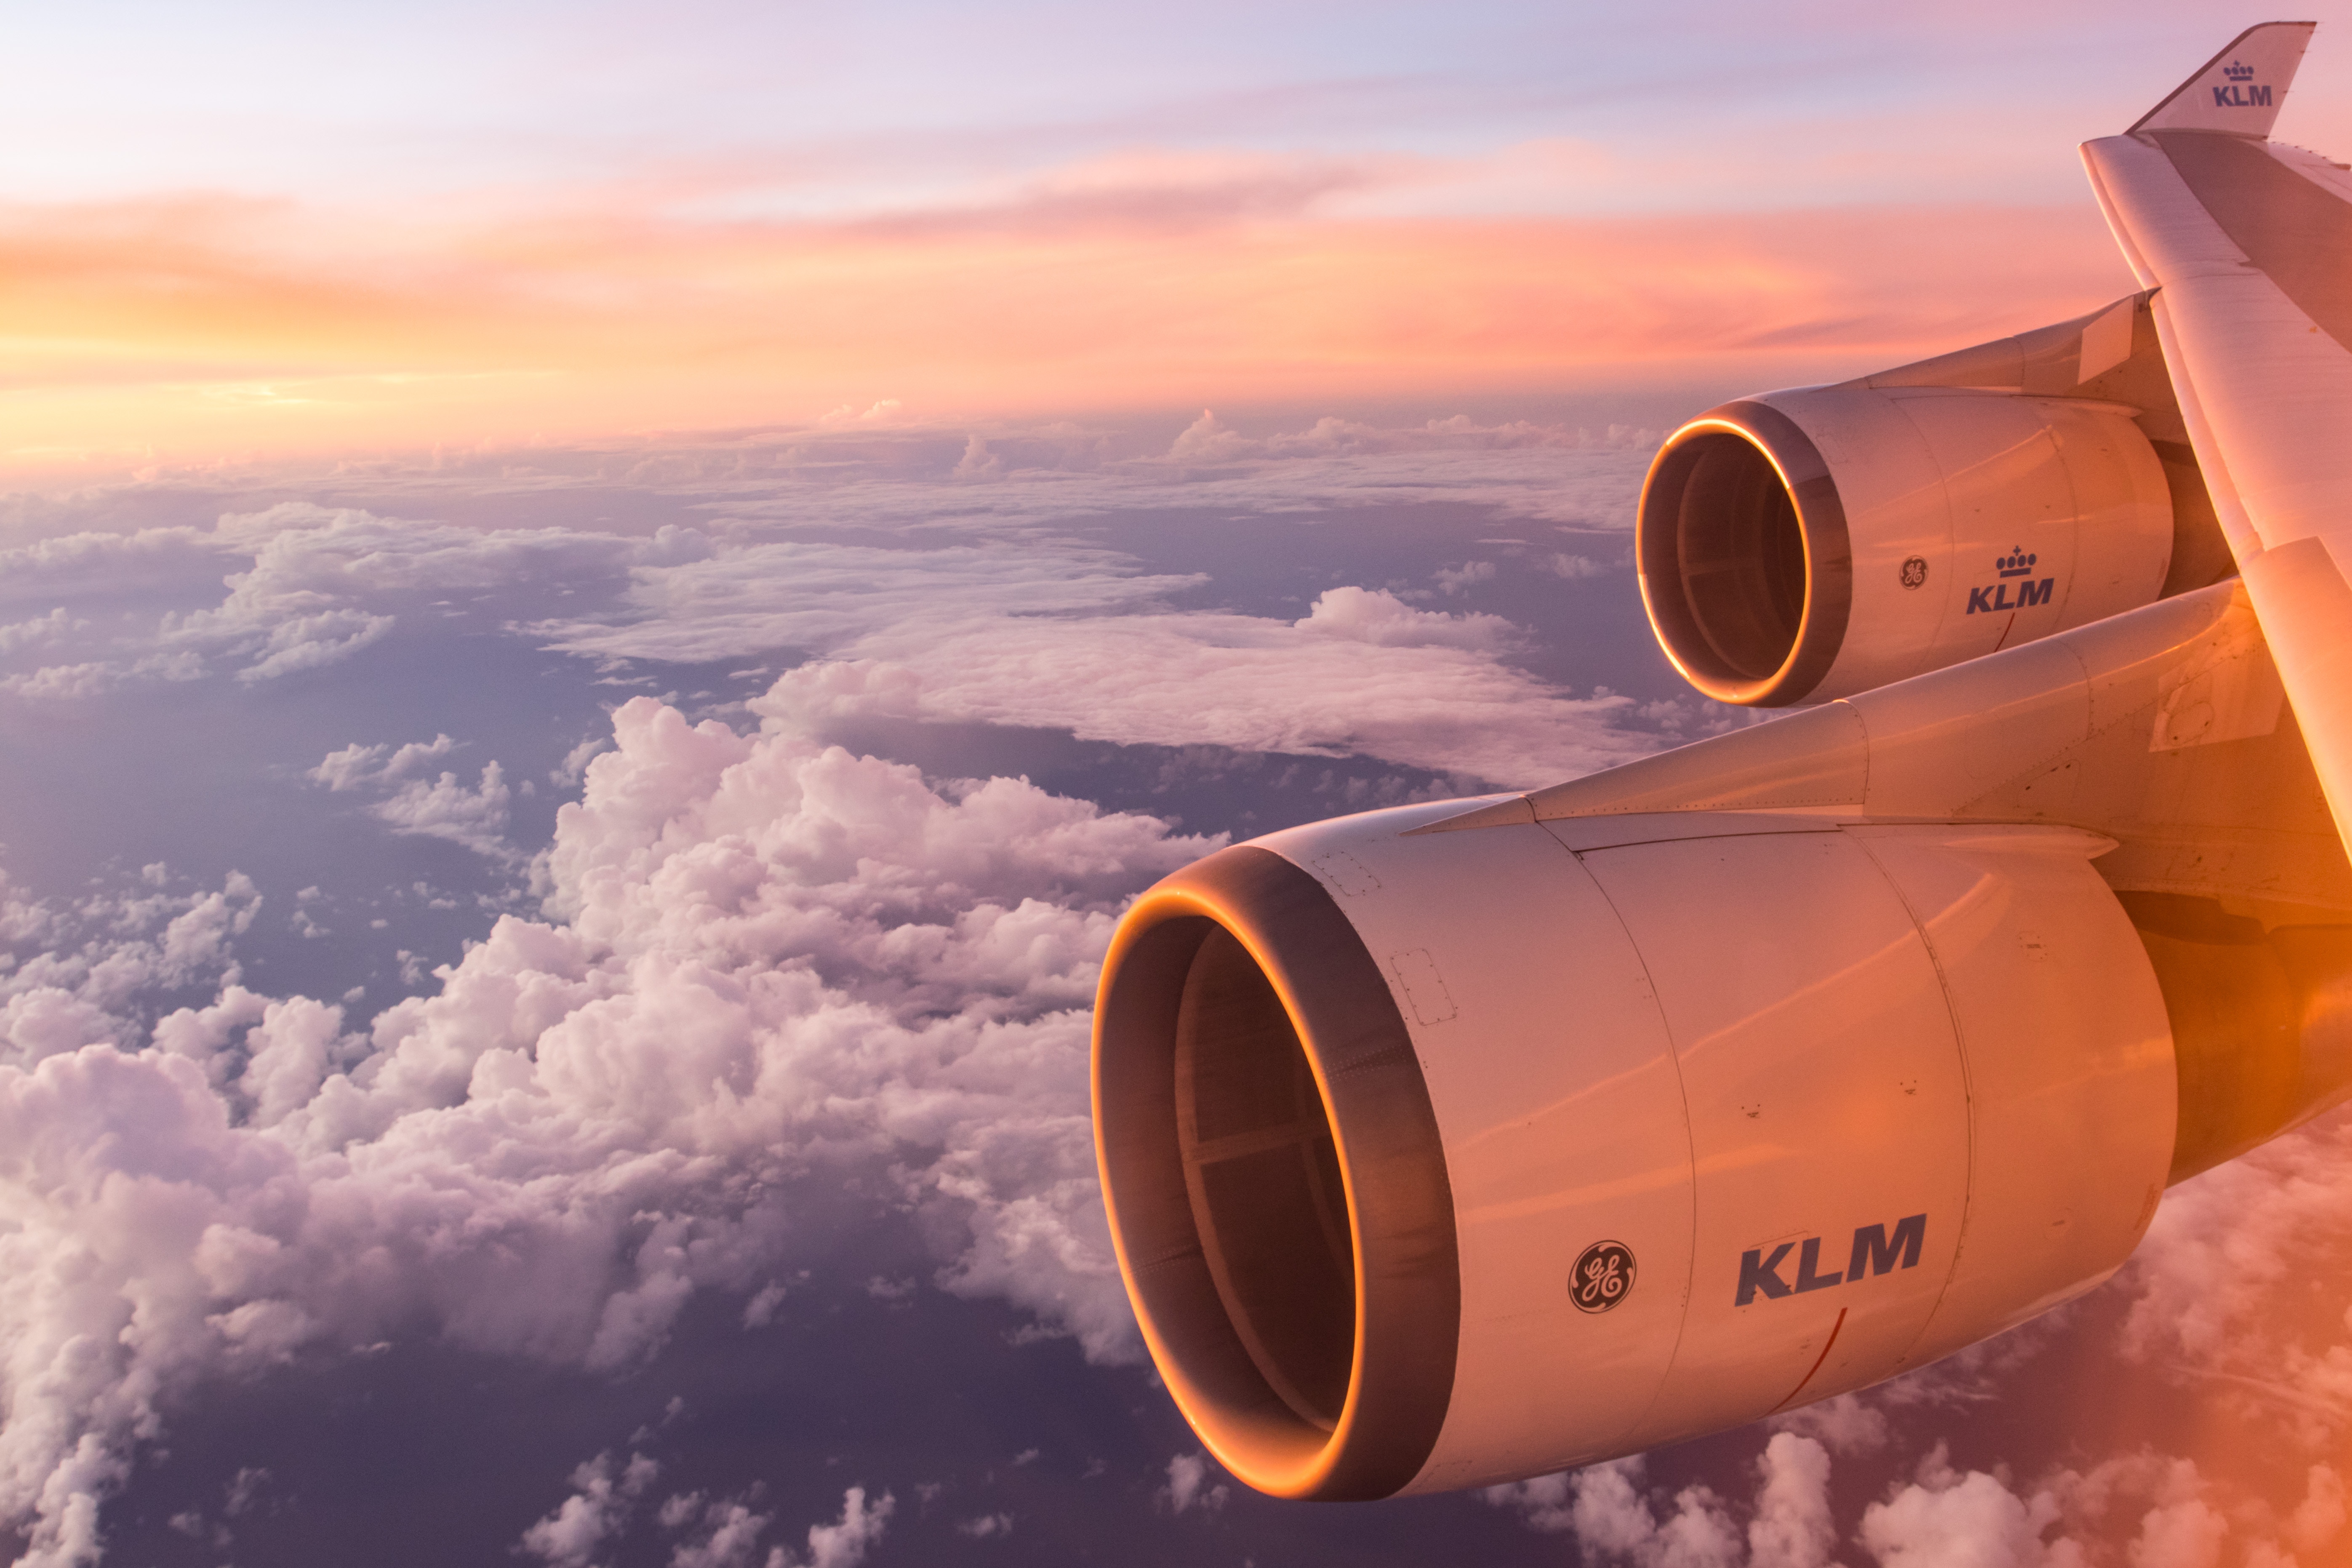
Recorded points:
(2246,241)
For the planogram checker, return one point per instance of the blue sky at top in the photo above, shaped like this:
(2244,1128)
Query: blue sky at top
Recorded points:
(872,107)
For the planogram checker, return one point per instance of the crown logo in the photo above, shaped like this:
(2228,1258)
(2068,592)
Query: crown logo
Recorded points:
(2237,73)
(2017,563)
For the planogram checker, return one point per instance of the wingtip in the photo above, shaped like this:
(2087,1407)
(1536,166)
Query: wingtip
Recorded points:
(2240,89)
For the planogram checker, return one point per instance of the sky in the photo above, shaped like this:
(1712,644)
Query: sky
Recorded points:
(267,227)
(600,610)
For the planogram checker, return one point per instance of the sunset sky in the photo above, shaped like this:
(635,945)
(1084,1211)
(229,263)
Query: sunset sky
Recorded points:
(265,228)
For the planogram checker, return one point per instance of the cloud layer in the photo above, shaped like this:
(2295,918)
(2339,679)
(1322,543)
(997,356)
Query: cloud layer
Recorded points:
(1359,673)
(771,969)
(979,610)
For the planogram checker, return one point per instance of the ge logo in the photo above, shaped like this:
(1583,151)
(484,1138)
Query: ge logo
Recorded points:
(1602,1276)
(1915,572)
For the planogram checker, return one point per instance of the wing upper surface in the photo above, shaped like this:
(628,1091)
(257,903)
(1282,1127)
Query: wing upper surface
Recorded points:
(2249,244)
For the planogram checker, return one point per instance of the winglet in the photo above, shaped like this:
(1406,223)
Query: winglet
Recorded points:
(2239,89)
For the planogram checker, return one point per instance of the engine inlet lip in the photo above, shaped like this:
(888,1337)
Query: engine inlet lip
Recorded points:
(1829,556)
(1391,1159)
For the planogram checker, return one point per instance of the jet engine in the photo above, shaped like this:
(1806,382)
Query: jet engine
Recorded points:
(1804,546)
(1438,1158)
(1459,1142)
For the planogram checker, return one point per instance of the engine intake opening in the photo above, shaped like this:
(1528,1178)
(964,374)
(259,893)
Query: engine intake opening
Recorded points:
(1745,565)
(1262,1170)
(1741,556)
(1276,1180)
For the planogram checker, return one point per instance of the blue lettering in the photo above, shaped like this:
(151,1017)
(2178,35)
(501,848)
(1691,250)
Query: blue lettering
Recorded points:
(2221,99)
(1757,1272)
(1808,1262)
(1873,1248)
(2262,97)
(2002,603)
(1979,599)
(2032,593)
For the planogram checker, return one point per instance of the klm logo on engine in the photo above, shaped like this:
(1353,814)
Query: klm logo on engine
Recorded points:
(1874,1252)
(2032,592)
(2239,91)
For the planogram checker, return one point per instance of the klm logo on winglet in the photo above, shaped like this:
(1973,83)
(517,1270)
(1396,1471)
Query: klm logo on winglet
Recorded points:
(2016,563)
(1874,1252)
(2238,93)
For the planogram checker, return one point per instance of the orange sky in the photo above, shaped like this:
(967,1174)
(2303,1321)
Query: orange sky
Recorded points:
(196,326)
(277,229)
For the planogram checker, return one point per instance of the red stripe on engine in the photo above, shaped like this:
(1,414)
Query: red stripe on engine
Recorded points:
(1817,1362)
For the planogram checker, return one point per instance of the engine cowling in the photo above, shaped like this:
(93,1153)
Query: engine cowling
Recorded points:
(1804,545)
(1438,1159)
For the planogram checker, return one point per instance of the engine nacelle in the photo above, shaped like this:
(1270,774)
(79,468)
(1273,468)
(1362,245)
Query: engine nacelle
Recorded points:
(1434,1159)
(1804,545)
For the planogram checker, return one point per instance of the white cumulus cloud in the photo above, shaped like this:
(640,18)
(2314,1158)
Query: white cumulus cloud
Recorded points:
(845,1542)
(768,964)
(1192,1483)
(603,1494)
(416,802)
(1360,673)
